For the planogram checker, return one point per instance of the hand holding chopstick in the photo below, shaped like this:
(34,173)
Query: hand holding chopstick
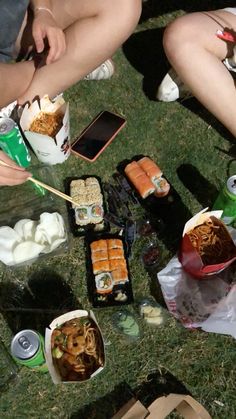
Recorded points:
(44,185)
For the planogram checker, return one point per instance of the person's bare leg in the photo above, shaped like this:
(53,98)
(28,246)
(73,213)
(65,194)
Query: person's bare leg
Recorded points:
(94,31)
(15,78)
(196,54)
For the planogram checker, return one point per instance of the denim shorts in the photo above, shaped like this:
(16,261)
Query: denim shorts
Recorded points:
(11,17)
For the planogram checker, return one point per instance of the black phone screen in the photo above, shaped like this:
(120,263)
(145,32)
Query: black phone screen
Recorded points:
(95,137)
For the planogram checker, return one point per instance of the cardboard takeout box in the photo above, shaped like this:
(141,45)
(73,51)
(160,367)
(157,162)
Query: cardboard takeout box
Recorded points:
(188,255)
(47,149)
(53,371)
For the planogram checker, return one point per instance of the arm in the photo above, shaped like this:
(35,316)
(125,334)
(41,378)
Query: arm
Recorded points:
(45,27)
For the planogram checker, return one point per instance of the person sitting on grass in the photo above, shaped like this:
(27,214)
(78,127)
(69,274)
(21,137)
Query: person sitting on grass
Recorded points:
(72,39)
(200,62)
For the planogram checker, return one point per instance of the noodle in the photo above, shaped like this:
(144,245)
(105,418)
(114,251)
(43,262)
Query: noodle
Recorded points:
(47,124)
(77,349)
(212,241)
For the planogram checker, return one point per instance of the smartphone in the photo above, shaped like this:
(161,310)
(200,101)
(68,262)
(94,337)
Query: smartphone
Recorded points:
(98,135)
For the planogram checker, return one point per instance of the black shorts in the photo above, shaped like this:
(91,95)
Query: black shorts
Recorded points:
(12,14)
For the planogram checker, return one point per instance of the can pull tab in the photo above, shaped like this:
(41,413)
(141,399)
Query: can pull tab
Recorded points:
(233,185)
(24,342)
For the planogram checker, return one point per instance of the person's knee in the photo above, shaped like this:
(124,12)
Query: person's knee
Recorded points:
(178,37)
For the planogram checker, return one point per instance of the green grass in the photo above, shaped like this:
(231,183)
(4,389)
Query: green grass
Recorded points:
(173,136)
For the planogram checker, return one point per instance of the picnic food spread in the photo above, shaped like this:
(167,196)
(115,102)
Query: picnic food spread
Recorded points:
(77,349)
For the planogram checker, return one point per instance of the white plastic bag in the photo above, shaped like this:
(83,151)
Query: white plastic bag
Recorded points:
(206,303)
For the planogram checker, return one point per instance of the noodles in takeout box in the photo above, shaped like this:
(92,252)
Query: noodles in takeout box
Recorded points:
(45,124)
(74,347)
(206,247)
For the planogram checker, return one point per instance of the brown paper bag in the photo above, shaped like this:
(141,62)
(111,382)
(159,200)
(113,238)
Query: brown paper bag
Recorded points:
(188,407)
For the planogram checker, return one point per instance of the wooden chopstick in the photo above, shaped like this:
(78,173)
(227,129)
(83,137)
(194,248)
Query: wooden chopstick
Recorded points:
(44,185)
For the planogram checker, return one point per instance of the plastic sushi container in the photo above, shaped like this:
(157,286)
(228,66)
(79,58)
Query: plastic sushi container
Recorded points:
(25,202)
(88,216)
(108,275)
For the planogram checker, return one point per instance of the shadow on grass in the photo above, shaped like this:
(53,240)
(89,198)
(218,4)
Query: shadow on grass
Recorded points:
(145,53)
(156,384)
(153,8)
(34,304)
(203,190)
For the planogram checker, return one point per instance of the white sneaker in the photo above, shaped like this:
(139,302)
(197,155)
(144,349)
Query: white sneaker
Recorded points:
(172,88)
(103,72)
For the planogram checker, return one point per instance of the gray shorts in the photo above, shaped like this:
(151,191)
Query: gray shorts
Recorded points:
(12,14)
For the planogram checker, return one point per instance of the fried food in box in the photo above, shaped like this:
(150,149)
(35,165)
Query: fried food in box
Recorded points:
(47,123)
(77,349)
(212,241)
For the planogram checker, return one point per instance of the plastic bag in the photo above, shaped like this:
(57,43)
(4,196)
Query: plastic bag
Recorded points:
(209,303)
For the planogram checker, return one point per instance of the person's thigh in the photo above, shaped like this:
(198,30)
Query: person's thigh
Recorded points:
(200,29)
(67,12)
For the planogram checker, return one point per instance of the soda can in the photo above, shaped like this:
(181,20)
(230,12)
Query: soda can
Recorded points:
(27,348)
(12,143)
(226,201)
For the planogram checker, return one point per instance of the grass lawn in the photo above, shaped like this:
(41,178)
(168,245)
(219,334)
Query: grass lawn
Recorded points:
(196,155)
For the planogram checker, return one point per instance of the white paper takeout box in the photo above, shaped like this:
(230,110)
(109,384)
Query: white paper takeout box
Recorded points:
(55,375)
(47,149)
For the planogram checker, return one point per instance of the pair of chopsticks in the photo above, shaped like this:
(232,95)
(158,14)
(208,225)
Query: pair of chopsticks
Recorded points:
(44,185)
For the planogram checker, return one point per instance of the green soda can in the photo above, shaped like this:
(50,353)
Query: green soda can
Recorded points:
(226,201)
(12,143)
(27,348)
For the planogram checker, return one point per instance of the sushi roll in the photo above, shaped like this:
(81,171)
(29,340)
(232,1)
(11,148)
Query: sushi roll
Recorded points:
(91,181)
(114,243)
(120,276)
(162,187)
(144,186)
(104,283)
(100,255)
(101,266)
(150,168)
(82,215)
(98,245)
(131,166)
(97,211)
(77,185)
(80,200)
(135,173)
(116,254)
(117,264)
(93,198)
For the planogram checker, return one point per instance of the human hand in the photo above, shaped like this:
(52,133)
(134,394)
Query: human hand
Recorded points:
(14,175)
(45,27)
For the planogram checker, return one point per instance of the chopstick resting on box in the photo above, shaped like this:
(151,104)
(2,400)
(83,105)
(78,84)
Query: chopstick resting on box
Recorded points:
(44,185)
